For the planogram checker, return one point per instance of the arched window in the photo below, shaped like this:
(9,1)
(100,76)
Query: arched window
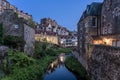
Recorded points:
(107,29)
(116,12)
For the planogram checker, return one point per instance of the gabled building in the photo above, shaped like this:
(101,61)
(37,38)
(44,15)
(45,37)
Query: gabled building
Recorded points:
(88,26)
(4,4)
(99,25)
(69,40)
(50,31)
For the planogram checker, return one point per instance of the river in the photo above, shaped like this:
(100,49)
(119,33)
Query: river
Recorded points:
(58,71)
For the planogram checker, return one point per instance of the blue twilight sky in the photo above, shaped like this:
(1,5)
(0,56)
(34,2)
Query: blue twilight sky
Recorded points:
(66,12)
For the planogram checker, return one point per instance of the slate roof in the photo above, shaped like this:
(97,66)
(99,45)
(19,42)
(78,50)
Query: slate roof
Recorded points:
(92,10)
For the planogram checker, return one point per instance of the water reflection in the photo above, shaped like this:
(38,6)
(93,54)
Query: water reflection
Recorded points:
(58,71)
(62,58)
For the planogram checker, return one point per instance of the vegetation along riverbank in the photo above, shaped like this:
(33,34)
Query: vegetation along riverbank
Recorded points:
(24,67)
(73,65)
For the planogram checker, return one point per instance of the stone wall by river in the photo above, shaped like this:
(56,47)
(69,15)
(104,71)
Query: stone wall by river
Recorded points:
(104,63)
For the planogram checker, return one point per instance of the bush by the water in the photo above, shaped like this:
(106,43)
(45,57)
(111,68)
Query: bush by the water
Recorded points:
(32,72)
(76,67)
(23,67)
(19,59)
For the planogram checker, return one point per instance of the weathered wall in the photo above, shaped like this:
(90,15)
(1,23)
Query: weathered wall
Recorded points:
(29,37)
(15,26)
(110,17)
(11,24)
(104,63)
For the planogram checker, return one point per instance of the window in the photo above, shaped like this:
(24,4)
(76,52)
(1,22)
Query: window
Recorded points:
(107,29)
(94,21)
(116,12)
(103,18)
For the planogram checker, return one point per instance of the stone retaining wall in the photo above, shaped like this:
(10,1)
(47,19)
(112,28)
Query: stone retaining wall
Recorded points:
(104,63)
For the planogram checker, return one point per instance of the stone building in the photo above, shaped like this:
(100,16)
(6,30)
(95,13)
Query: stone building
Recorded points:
(99,46)
(109,31)
(50,30)
(15,26)
(69,40)
(110,25)
(88,26)
(4,4)
(51,25)
(42,36)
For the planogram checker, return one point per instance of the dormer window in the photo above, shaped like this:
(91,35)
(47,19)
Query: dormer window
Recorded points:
(108,4)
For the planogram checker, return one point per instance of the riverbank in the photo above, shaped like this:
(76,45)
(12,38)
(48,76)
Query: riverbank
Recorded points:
(24,67)
(32,72)
(73,65)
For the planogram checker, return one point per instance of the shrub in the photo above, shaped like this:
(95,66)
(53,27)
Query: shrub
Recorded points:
(39,50)
(51,52)
(16,14)
(14,42)
(33,72)
(19,60)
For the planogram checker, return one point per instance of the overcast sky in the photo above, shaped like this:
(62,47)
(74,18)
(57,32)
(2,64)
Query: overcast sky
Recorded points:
(66,12)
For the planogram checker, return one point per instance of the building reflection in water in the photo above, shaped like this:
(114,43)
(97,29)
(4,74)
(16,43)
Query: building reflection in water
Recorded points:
(56,64)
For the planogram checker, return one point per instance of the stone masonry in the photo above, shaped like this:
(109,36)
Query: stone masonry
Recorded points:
(29,37)
(15,26)
(101,57)
(104,63)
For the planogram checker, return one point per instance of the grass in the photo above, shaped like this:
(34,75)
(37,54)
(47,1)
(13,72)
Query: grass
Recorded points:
(77,68)
(63,50)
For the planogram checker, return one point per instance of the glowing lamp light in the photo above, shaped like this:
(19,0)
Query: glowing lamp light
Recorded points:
(62,58)
(107,41)
(52,65)
(61,42)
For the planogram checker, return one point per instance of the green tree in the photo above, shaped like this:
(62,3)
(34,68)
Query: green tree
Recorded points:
(16,14)
(40,49)
(14,42)
(1,33)
(31,23)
